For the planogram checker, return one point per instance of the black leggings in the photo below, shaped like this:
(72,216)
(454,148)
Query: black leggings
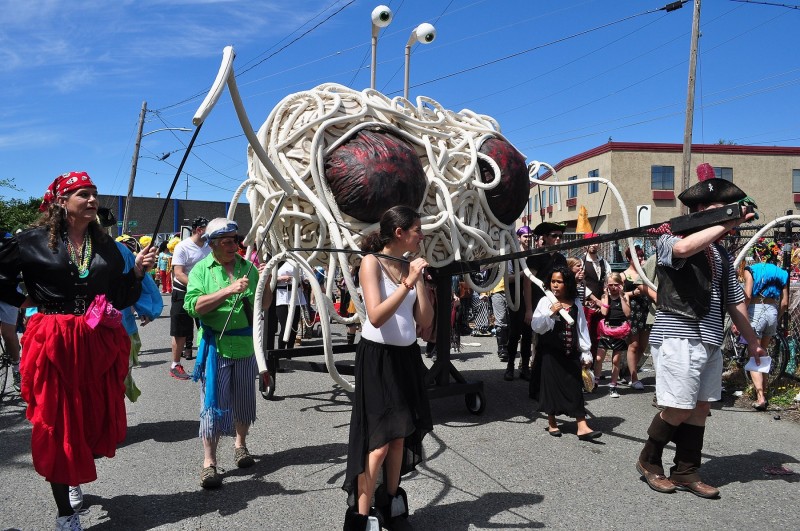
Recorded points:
(283,315)
(519,332)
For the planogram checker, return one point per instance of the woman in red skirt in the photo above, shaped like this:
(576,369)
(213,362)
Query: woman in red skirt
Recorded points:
(76,349)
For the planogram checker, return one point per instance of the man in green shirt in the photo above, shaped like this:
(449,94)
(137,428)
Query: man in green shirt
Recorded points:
(224,284)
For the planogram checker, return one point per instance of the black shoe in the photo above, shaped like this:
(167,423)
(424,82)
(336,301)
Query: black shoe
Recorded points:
(525,374)
(590,436)
(509,375)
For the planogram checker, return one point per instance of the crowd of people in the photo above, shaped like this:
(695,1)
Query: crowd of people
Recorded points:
(82,338)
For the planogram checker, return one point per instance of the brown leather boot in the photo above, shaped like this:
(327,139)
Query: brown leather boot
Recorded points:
(649,464)
(688,455)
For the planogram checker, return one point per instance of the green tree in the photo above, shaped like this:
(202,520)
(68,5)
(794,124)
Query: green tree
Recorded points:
(17,213)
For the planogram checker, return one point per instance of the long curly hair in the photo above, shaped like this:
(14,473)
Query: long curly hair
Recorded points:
(55,220)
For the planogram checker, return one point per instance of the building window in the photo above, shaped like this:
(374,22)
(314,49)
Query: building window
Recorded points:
(796,181)
(594,187)
(724,173)
(535,202)
(572,189)
(662,177)
(553,195)
(544,199)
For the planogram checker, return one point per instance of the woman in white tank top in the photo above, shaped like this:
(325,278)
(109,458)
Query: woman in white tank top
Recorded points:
(391,414)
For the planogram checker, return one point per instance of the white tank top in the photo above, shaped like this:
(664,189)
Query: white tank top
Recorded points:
(400,329)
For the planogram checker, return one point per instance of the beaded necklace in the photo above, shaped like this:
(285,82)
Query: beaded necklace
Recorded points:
(81,259)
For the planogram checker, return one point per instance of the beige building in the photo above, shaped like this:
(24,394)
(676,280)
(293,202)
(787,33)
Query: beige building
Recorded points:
(648,177)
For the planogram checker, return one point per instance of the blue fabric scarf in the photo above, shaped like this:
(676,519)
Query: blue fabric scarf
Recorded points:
(207,367)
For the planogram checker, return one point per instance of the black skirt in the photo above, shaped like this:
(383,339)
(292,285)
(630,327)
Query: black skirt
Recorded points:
(556,383)
(390,402)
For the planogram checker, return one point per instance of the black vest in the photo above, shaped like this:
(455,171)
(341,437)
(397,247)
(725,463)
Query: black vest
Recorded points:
(593,282)
(687,291)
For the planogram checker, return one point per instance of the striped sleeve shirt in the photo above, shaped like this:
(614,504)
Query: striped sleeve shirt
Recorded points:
(709,328)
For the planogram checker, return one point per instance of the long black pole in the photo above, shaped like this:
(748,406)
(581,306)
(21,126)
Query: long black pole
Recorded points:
(174,182)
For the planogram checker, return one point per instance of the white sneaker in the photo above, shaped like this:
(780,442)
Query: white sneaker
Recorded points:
(638,385)
(69,523)
(76,497)
(613,393)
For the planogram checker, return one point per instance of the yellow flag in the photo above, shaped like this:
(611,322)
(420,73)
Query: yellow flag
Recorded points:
(583,225)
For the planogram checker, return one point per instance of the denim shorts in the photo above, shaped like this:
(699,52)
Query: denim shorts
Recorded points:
(763,319)
(687,371)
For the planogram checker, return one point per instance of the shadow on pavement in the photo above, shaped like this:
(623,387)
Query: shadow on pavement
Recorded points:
(477,513)
(744,468)
(168,431)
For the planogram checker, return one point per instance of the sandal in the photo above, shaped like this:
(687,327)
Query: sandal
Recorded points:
(210,478)
(760,407)
(242,457)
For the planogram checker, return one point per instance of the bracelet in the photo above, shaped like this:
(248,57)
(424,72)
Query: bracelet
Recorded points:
(403,282)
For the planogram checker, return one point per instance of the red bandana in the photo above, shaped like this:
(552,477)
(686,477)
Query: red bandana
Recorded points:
(64,184)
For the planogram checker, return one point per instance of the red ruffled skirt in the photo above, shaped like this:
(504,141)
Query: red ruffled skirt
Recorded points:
(73,381)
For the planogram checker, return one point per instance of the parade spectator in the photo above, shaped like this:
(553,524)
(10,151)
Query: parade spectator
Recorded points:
(640,309)
(480,306)
(696,285)
(612,330)
(519,334)
(221,293)
(561,350)
(391,415)
(766,291)
(497,299)
(8,330)
(74,367)
(596,271)
(181,326)
(164,266)
(284,297)
(148,307)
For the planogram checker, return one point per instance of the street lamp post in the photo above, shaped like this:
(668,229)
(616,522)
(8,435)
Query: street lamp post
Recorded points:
(424,34)
(381,17)
(135,161)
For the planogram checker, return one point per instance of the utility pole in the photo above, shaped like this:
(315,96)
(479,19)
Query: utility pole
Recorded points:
(687,132)
(133,168)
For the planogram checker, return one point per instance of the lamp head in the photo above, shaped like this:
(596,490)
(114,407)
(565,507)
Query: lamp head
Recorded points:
(382,16)
(425,33)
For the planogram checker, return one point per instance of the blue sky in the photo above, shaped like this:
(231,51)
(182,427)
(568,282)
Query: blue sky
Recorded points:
(575,73)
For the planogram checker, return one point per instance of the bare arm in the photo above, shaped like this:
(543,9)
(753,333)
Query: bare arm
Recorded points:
(748,287)
(698,241)
(180,274)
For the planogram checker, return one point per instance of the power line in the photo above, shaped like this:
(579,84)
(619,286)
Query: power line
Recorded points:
(197,95)
(789,6)
(533,49)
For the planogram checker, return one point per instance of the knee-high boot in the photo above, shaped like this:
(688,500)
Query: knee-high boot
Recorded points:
(502,343)
(392,510)
(659,435)
(688,453)
(354,521)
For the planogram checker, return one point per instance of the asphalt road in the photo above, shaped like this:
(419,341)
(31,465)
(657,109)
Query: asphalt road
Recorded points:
(499,470)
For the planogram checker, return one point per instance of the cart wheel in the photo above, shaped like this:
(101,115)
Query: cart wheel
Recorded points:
(476,402)
(316,330)
(266,386)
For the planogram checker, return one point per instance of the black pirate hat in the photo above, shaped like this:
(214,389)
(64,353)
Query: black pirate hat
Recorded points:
(547,227)
(710,190)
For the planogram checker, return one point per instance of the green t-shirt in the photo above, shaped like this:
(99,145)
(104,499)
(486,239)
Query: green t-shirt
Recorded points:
(209,276)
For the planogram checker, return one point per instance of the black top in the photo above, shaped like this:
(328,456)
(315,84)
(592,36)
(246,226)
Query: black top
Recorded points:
(51,277)
(544,263)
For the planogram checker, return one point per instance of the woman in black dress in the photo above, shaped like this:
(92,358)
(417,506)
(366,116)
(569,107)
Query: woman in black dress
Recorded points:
(560,352)
(391,414)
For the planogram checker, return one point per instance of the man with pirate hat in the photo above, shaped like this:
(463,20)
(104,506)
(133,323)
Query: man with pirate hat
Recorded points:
(697,284)
(541,264)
